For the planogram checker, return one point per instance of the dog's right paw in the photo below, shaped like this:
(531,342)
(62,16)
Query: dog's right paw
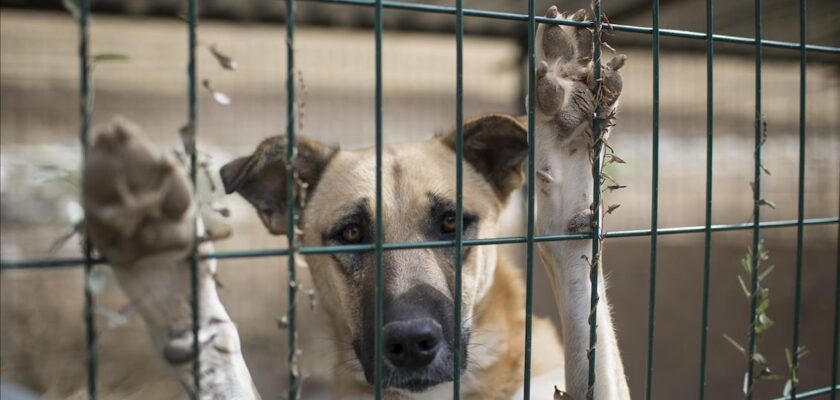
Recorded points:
(565,75)
(135,198)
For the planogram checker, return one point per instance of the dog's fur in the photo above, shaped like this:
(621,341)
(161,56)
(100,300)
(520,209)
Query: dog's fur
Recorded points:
(337,188)
(418,189)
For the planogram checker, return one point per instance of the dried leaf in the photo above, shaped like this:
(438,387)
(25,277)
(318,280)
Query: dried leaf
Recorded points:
(734,343)
(220,97)
(224,60)
(766,171)
(768,203)
(108,57)
(616,187)
(617,159)
(612,208)
(73,8)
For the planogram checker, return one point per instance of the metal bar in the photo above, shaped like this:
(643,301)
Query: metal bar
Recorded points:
(291,202)
(707,234)
(258,253)
(597,223)
(87,249)
(379,295)
(192,112)
(812,393)
(836,355)
(654,204)
(797,308)
(756,257)
(435,9)
(529,244)
(459,191)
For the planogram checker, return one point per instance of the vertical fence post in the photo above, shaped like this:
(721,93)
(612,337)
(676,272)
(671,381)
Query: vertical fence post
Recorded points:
(459,191)
(596,202)
(291,202)
(759,126)
(654,205)
(378,291)
(836,352)
(84,138)
(707,232)
(529,260)
(801,201)
(192,113)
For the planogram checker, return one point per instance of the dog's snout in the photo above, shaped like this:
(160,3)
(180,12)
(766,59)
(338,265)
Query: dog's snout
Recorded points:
(412,344)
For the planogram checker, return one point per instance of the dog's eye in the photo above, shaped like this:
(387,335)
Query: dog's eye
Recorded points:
(351,234)
(448,223)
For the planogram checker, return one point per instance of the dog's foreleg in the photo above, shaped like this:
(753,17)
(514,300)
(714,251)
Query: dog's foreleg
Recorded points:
(140,216)
(564,157)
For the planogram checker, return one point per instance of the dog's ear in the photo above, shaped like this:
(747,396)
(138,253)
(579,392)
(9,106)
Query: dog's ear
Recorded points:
(496,146)
(261,177)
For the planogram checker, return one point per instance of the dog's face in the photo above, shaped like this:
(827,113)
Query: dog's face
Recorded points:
(418,205)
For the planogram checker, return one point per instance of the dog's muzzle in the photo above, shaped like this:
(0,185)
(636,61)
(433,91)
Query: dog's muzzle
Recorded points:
(418,345)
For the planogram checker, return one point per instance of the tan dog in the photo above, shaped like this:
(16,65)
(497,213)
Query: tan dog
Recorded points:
(418,205)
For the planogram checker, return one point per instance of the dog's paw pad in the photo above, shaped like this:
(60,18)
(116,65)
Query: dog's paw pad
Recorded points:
(565,82)
(581,222)
(134,196)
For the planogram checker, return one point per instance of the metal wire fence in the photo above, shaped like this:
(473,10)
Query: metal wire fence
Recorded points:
(596,235)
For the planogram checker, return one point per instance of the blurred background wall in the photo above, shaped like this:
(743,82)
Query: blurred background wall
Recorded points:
(41,340)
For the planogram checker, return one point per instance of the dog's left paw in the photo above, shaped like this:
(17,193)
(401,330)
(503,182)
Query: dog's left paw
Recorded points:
(135,198)
(565,75)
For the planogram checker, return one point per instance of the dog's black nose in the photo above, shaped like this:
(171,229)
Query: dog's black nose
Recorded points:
(412,344)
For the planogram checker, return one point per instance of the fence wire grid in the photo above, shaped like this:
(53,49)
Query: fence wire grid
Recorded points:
(597,233)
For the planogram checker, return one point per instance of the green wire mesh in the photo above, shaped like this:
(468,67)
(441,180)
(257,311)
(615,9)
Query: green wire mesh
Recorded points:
(379,247)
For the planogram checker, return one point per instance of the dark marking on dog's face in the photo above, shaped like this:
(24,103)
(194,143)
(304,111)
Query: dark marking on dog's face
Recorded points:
(418,205)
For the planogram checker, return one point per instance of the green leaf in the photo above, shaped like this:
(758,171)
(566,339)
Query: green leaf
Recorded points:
(108,57)
(735,344)
(762,307)
(746,263)
(763,324)
(744,287)
(766,272)
(789,358)
(770,377)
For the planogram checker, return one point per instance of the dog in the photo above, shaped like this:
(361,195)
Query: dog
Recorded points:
(418,204)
